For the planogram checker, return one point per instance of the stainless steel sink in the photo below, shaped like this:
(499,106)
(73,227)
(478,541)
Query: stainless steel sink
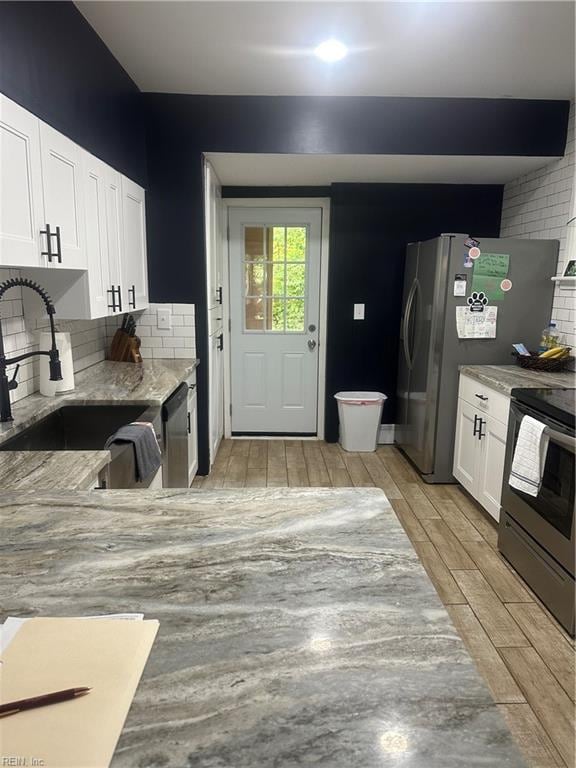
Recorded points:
(75,428)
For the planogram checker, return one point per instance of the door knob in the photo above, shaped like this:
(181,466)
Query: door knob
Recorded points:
(311,345)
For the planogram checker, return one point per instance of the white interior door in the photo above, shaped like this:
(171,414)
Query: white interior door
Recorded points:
(274,313)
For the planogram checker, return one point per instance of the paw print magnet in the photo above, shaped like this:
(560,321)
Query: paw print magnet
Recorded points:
(477,301)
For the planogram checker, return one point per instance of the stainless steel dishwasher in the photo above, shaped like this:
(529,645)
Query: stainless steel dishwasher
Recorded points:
(175,418)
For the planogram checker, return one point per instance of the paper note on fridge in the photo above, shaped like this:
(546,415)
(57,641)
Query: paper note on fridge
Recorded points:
(476,325)
(489,271)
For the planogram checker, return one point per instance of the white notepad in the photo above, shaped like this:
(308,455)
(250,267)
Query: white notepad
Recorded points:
(48,655)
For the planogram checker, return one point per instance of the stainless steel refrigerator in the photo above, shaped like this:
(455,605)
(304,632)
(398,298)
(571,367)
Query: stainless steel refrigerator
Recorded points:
(431,351)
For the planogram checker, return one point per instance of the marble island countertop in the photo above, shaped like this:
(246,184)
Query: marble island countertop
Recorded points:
(106,383)
(505,378)
(297,626)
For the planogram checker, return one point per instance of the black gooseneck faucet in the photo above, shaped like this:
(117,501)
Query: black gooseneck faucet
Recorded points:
(55,368)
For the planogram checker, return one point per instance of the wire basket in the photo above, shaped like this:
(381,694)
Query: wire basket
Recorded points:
(549,364)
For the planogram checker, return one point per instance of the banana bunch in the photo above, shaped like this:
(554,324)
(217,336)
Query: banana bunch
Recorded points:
(556,352)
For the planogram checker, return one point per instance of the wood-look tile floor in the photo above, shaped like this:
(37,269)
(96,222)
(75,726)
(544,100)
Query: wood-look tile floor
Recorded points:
(525,657)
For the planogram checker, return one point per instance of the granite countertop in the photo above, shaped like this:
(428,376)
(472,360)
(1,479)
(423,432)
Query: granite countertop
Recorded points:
(297,626)
(107,383)
(505,378)
(148,383)
(58,470)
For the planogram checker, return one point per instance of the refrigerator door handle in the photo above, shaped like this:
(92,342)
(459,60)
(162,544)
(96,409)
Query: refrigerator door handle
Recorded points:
(418,329)
(405,325)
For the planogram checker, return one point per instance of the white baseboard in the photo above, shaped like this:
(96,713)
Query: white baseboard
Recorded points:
(386,434)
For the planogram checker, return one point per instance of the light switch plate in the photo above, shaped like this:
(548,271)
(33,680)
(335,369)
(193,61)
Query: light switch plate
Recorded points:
(164,319)
(359,311)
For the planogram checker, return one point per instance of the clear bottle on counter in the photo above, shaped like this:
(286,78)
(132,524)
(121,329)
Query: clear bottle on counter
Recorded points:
(550,338)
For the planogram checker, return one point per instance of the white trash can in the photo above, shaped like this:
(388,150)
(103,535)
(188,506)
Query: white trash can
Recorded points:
(360,414)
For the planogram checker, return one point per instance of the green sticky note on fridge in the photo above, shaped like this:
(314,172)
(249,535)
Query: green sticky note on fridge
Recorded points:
(489,271)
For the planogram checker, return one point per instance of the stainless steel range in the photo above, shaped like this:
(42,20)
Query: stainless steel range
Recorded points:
(537,532)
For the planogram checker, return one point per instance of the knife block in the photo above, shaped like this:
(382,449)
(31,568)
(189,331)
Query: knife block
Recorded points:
(125,348)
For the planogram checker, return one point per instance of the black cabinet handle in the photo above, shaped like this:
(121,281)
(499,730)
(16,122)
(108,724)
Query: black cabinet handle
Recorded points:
(132,301)
(189,429)
(219,294)
(480,433)
(48,242)
(481,397)
(119,289)
(221,342)
(112,291)
(58,253)
(476,419)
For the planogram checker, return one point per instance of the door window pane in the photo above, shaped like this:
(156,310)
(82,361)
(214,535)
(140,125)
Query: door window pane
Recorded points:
(254,278)
(295,279)
(275,278)
(276,315)
(278,243)
(295,312)
(275,281)
(255,314)
(254,243)
(296,243)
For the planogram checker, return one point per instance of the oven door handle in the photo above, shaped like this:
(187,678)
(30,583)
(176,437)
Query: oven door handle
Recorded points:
(564,440)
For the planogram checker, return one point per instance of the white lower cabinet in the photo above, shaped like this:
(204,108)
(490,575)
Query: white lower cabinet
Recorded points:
(192,430)
(216,386)
(491,470)
(480,444)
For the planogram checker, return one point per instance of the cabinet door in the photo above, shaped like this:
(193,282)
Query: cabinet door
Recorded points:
(192,433)
(213,227)
(63,187)
(115,228)
(21,203)
(466,447)
(216,394)
(134,265)
(491,465)
(99,282)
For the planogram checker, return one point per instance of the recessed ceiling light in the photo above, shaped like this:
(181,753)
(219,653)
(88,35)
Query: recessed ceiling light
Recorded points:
(331,50)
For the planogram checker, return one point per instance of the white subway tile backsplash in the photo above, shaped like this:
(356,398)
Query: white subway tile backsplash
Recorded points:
(90,338)
(178,341)
(537,205)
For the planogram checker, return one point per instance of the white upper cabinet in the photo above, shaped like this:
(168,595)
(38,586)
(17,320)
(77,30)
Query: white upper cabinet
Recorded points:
(134,264)
(104,227)
(63,187)
(66,211)
(21,203)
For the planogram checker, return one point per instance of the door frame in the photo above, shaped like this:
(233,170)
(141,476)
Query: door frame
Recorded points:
(281,202)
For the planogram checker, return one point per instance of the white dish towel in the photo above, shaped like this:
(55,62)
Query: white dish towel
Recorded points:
(529,457)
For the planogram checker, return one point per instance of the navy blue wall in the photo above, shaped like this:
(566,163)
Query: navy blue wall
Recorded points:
(54,64)
(181,128)
(370,227)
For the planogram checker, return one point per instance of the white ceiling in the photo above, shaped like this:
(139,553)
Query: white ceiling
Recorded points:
(454,49)
(321,170)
